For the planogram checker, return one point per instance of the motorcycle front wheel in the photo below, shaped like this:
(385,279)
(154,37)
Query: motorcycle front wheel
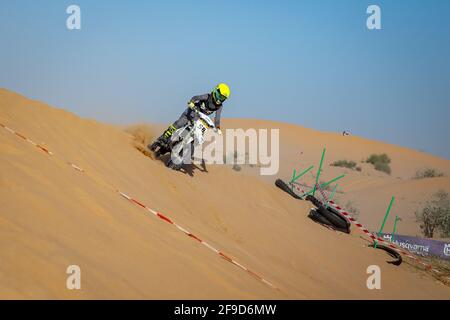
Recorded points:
(175,166)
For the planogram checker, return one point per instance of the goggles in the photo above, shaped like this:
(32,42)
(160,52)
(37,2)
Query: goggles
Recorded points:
(218,97)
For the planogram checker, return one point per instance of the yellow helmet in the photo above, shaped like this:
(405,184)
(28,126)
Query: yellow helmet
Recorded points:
(221,93)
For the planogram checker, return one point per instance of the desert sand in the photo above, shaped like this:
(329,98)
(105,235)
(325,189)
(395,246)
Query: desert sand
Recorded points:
(369,190)
(52,216)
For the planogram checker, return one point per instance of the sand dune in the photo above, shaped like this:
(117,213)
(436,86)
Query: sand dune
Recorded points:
(369,190)
(52,216)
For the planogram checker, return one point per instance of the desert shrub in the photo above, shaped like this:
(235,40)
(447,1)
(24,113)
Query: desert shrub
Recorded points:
(378,158)
(230,158)
(428,173)
(344,164)
(383,167)
(437,263)
(359,169)
(234,157)
(236,167)
(435,215)
(380,162)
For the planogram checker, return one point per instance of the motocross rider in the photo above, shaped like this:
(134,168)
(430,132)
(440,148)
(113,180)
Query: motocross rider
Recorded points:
(207,103)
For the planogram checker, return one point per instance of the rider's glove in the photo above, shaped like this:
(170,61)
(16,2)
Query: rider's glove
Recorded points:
(191,105)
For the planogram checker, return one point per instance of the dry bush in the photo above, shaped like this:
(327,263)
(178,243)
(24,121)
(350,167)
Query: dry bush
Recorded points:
(380,162)
(428,173)
(435,215)
(344,164)
(441,265)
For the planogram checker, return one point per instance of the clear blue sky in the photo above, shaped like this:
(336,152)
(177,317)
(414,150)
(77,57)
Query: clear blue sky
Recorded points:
(312,63)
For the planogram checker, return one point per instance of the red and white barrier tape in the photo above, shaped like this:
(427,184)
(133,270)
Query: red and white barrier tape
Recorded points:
(189,234)
(26,139)
(367,232)
(297,187)
(324,196)
(155,213)
(376,238)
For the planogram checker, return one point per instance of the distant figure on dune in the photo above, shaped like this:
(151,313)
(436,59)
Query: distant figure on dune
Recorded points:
(345,133)
(206,103)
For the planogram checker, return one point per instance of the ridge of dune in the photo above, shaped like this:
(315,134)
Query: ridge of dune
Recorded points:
(295,139)
(52,216)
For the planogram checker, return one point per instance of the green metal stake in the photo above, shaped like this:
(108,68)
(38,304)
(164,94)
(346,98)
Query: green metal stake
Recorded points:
(395,227)
(295,178)
(319,171)
(292,180)
(325,184)
(332,195)
(384,221)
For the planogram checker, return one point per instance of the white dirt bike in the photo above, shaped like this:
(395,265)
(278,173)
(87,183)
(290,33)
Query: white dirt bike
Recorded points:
(185,139)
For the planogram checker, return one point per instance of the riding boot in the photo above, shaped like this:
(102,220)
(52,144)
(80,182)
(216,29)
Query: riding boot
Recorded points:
(165,137)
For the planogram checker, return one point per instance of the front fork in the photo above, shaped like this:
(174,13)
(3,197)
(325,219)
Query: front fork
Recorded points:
(179,150)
